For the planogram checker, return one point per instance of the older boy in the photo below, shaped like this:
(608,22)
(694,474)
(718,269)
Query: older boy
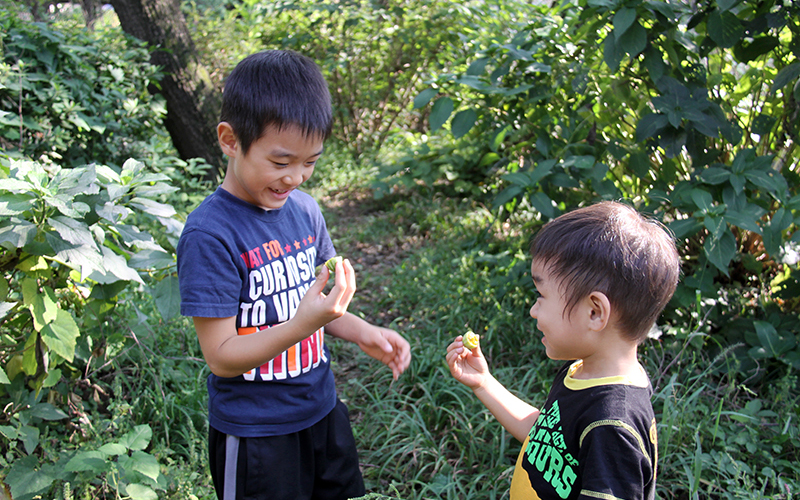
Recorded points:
(246,264)
(603,273)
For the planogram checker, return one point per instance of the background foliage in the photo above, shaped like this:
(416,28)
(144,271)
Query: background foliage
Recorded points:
(461,128)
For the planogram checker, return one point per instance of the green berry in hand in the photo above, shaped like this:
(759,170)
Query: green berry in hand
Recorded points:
(330,264)
(471,340)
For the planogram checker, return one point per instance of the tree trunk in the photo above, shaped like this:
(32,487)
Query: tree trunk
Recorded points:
(192,102)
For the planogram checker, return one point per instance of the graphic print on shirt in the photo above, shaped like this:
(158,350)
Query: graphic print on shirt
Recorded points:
(546,455)
(279,275)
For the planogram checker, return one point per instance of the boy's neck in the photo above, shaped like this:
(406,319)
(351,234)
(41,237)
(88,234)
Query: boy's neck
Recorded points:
(619,360)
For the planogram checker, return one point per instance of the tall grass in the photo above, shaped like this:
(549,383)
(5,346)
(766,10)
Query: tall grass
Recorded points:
(430,267)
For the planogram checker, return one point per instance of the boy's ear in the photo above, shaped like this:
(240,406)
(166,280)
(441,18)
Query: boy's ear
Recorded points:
(227,139)
(599,310)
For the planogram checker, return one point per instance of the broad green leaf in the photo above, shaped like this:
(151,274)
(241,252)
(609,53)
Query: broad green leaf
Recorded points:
(17,233)
(30,438)
(152,259)
(440,112)
(168,297)
(46,411)
(72,231)
(702,199)
(43,306)
(612,52)
(90,461)
(715,175)
(16,186)
(649,126)
(138,491)
(9,432)
(541,202)
(3,377)
(463,122)
(15,204)
(507,195)
(684,228)
(499,137)
(771,340)
(633,41)
(113,213)
(749,51)
(145,464)
(73,181)
(744,221)
(623,20)
(157,209)
(27,478)
(476,68)
(424,98)
(138,438)
(720,250)
(117,267)
(112,449)
(724,28)
(61,335)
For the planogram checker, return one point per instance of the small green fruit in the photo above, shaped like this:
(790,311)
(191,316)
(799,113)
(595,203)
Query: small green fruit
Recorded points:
(330,264)
(471,340)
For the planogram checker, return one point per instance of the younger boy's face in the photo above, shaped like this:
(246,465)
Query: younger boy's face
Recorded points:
(562,337)
(277,163)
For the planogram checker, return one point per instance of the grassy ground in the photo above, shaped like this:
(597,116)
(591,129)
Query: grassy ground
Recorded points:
(430,267)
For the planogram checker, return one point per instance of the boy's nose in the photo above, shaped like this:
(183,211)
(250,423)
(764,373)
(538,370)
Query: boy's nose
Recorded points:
(533,311)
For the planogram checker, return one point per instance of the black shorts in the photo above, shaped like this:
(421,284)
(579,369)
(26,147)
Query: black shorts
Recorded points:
(318,463)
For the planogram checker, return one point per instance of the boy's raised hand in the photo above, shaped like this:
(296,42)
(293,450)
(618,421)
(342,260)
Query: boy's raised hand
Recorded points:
(317,308)
(467,366)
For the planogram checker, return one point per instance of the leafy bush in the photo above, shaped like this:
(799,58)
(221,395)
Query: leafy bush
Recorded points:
(688,112)
(71,97)
(69,251)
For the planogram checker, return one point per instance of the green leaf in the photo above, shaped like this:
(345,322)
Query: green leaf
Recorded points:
(3,376)
(157,209)
(650,125)
(424,98)
(15,204)
(541,202)
(168,297)
(724,28)
(138,438)
(715,175)
(61,335)
(145,464)
(612,52)
(27,479)
(72,231)
(684,228)
(623,20)
(785,76)
(463,122)
(720,250)
(88,461)
(112,449)
(440,112)
(48,412)
(633,41)
(29,437)
(138,491)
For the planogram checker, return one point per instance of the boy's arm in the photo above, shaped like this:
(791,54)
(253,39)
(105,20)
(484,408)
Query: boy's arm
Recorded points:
(229,354)
(470,368)
(383,344)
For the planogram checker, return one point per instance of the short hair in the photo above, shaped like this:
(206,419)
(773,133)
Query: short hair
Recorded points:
(611,248)
(276,88)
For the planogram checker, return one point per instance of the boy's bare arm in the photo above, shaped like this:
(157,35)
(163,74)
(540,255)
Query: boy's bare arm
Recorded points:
(383,344)
(470,368)
(229,354)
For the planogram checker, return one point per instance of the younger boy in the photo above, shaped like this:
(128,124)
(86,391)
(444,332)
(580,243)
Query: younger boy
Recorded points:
(603,273)
(246,264)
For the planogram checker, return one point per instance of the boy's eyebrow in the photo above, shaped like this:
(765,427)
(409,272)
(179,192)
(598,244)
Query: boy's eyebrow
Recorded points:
(282,153)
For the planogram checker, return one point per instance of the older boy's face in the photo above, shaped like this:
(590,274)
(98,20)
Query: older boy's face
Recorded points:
(561,335)
(277,163)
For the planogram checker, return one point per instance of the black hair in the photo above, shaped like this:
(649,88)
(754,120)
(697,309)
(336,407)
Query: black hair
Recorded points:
(276,88)
(611,248)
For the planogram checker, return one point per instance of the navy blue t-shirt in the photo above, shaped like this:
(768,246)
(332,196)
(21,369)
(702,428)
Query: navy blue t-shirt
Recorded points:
(237,259)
